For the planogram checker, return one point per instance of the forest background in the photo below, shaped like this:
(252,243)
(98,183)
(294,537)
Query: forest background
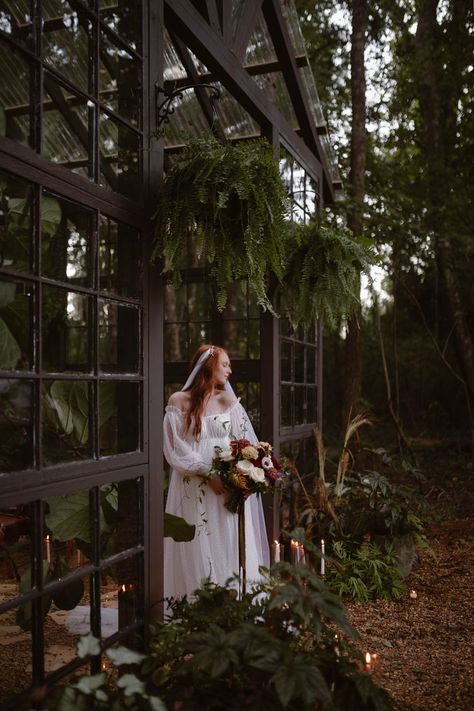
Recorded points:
(396,81)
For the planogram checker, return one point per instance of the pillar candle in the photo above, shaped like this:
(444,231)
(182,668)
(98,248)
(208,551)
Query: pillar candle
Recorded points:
(276,551)
(323,562)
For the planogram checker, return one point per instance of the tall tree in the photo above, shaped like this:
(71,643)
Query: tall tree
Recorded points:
(358,158)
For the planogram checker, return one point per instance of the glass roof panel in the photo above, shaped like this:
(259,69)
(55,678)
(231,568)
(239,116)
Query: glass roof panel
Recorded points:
(274,86)
(260,48)
(236,122)
(172,66)
(187,121)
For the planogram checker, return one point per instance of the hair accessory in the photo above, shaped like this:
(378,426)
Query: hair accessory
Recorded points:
(202,358)
(211,351)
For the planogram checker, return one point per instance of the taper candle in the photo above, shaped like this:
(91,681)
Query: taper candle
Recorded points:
(323,562)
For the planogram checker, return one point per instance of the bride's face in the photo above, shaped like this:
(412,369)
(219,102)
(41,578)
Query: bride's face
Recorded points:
(223,370)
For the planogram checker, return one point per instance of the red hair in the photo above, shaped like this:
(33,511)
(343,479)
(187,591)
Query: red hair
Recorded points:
(202,386)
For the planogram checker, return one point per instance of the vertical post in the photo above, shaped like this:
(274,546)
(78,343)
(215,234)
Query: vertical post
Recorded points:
(153,321)
(270,384)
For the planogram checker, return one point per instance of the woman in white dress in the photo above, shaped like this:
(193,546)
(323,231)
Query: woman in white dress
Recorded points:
(206,413)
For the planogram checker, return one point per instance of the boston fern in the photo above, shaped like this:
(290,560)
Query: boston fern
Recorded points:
(322,276)
(228,201)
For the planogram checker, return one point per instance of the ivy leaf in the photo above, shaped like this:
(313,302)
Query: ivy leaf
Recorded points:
(178,529)
(123,655)
(131,685)
(88,645)
(90,684)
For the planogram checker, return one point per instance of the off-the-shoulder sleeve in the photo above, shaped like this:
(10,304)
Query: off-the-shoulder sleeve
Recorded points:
(179,453)
(241,427)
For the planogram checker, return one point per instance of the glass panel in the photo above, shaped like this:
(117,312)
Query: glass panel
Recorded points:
(200,301)
(300,406)
(16,425)
(252,405)
(124,18)
(120,262)
(67,127)
(311,354)
(286,351)
(286,405)
(312,409)
(176,341)
(15,20)
(176,303)
(67,527)
(66,41)
(198,333)
(253,338)
(119,417)
(236,306)
(119,81)
(234,338)
(65,344)
(16,202)
(15,84)
(66,232)
(16,330)
(119,150)
(119,337)
(299,363)
(65,421)
(120,595)
(121,521)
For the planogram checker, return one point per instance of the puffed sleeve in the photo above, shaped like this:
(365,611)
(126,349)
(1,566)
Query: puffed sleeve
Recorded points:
(178,453)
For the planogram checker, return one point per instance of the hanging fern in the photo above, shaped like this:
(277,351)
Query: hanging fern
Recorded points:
(230,202)
(322,279)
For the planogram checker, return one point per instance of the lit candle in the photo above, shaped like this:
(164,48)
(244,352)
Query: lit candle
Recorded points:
(47,541)
(413,594)
(294,552)
(276,552)
(368,661)
(323,562)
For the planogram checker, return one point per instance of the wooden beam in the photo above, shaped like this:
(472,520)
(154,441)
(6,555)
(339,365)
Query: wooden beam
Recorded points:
(285,53)
(213,16)
(245,27)
(197,34)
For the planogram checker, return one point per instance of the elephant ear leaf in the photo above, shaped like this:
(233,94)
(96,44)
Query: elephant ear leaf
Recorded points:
(68,597)
(178,529)
(68,516)
(59,399)
(10,352)
(23,613)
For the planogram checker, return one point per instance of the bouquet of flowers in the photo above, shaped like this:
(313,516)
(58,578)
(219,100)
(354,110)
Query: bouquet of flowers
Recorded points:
(246,469)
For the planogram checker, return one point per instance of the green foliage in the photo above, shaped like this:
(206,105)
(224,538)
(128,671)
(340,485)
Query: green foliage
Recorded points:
(230,203)
(366,573)
(274,648)
(322,277)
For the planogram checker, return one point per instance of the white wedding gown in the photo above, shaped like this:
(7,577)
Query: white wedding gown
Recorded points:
(213,553)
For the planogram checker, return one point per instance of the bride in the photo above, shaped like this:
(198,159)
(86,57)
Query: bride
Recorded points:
(206,413)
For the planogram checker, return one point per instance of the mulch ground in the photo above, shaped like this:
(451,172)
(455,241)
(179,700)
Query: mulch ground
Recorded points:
(424,644)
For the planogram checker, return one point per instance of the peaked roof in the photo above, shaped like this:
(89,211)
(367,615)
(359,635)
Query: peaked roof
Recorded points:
(253,51)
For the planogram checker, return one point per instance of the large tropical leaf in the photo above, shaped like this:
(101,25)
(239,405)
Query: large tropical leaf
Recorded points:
(68,517)
(9,349)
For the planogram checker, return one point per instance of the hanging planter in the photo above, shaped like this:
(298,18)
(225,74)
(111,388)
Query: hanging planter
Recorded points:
(322,276)
(228,201)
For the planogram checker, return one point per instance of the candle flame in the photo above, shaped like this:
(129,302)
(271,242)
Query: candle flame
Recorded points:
(277,543)
(368,658)
(294,544)
(47,538)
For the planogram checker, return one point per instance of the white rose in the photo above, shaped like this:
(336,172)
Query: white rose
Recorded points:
(245,467)
(226,455)
(257,474)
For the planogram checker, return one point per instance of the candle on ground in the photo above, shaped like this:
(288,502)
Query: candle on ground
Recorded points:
(47,541)
(294,552)
(323,562)
(276,551)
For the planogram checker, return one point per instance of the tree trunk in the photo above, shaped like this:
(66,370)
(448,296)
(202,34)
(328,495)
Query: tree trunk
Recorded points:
(437,143)
(352,376)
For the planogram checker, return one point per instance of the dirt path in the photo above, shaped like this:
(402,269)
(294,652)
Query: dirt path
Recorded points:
(424,645)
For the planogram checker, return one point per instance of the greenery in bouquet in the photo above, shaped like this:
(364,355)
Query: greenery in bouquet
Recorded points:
(246,469)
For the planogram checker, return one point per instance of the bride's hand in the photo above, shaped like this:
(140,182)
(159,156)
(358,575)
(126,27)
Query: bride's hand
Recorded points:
(215,482)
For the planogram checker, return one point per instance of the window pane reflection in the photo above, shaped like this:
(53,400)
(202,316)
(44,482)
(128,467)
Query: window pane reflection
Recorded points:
(176,342)
(16,425)
(124,18)
(15,20)
(66,231)
(119,417)
(118,337)
(16,202)
(119,149)
(119,81)
(67,124)
(121,522)
(65,41)
(65,421)
(16,334)
(120,595)
(65,330)
(120,263)
(15,82)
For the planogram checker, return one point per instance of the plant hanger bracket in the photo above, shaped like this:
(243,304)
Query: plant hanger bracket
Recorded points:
(166,106)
